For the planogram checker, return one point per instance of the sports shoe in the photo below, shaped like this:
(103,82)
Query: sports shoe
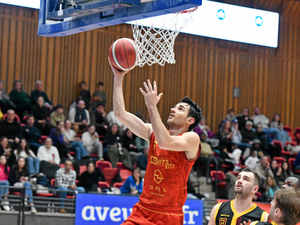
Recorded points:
(5,205)
(33,210)
(62,211)
(25,201)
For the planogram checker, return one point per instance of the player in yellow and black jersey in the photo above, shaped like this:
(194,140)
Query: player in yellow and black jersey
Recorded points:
(241,209)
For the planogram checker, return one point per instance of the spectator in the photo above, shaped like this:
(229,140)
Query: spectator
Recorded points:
(115,150)
(4,172)
(11,129)
(285,171)
(264,121)
(20,99)
(248,134)
(79,117)
(230,115)
(90,140)
(252,160)
(18,177)
(99,95)
(263,169)
(84,94)
(39,111)
(264,138)
(237,136)
(5,102)
(112,119)
(133,184)
(202,127)
(276,171)
(65,180)
(205,157)
(142,161)
(32,161)
(75,142)
(90,178)
(49,159)
(256,146)
(98,118)
(235,157)
(32,134)
(271,188)
(58,141)
(57,115)
(6,150)
(243,118)
(129,141)
(141,144)
(225,135)
(38,92)
(283,135)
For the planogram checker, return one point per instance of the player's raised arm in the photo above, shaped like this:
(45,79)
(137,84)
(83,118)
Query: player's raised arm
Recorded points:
(179,122)
(135,124)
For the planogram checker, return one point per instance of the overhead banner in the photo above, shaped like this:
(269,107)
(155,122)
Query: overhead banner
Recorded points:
(92,209)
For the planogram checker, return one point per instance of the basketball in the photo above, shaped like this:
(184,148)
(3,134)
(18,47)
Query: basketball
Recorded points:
(123,54)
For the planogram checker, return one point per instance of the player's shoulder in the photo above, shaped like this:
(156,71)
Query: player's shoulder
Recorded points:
(191,136)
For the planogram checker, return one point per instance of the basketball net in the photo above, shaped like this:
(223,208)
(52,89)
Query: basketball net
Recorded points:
(156,45)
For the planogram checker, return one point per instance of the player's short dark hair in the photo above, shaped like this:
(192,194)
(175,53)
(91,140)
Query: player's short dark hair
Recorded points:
(288,202)
(194,112)
(100,83)
(257,179)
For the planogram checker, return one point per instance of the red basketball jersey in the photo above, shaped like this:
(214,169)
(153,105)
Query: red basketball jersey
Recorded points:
(165,183)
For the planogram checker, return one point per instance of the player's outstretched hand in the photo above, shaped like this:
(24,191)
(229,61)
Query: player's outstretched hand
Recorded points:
(150,94)
(116,72)
(246,223)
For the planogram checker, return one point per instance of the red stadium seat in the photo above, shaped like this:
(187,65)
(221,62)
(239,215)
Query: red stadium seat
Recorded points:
(221,178)
(118,184)
(16,117)
(103,184)
(120,166)
(291,164)
(234,173)
(110,174)
(124,173)
(289,130)
(82,169)
(292,143)
(103,164)
(283,152)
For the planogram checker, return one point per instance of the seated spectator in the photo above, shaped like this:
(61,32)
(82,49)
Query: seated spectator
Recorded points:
(98,118)
(79,117)
(4,172)
(243,118)
(38,92)
(32,134)
(230,115)
(203,128)
(271,188)
(276,171)
(99,95)
(129,144)
(112,119)
(264,138)
(49,159)
(57,115)
(142,161)
(256,146)
(90,140)
(11,129)
(248,134)
(285,171)
(20,99)
(5,102)
(264,121)
(225,135)
(90,178)
(39,111)
(65,180)
(84,94)
(75,142)
(115,150)
(140,144)
(237,136)
(252,160)
(32,161)
(235,157)
(205,157)
(18,177)
(283,135)
(263,169)
(133,184)
(6,150)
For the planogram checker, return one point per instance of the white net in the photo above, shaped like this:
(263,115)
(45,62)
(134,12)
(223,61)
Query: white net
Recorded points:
(155,36)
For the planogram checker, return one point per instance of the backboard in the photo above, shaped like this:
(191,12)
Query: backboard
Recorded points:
(75,16)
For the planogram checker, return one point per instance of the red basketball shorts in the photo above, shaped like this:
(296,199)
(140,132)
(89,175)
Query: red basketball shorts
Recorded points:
(148,215)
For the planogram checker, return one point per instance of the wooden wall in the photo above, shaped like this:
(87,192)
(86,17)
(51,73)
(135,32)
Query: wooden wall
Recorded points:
(206,69)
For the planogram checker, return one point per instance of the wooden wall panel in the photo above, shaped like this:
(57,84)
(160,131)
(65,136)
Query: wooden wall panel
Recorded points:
(206,69)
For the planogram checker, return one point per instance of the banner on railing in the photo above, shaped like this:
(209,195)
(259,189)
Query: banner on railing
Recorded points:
(114,209)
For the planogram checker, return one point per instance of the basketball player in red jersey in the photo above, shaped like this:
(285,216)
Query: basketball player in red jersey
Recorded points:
(172,154)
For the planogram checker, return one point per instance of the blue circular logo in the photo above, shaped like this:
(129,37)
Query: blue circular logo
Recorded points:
(259,21)
(221,14)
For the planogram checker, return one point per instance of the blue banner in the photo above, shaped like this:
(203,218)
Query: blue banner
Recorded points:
(92,209)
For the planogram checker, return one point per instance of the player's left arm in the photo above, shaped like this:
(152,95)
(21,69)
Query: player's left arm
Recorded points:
(187,142)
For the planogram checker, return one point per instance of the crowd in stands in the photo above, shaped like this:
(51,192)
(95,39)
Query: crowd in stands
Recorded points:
(38,141)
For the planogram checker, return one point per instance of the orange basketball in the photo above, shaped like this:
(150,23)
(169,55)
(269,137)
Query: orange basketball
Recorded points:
(123,54)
